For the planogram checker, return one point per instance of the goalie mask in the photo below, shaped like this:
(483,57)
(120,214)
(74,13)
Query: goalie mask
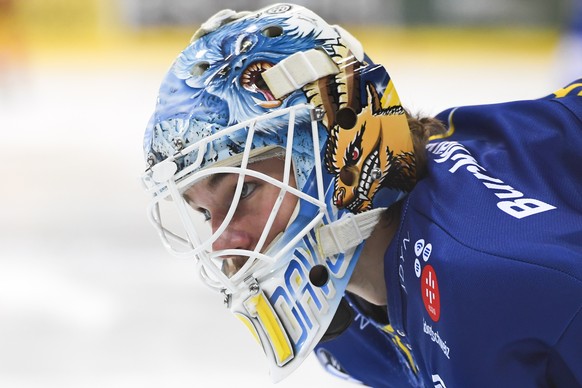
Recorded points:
(274,147)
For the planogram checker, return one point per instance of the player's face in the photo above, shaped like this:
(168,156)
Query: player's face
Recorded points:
(213,198)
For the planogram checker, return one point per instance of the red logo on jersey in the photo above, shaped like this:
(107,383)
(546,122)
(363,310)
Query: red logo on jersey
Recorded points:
(429,288)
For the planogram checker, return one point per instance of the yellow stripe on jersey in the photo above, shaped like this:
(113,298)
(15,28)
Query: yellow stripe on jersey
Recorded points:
(449,132)
(403,348)
(568,89)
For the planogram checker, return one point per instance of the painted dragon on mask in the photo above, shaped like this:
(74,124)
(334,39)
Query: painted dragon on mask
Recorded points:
(229,65)
(363,152)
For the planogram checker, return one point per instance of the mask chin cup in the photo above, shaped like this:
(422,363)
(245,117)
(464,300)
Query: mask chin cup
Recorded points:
(296,306)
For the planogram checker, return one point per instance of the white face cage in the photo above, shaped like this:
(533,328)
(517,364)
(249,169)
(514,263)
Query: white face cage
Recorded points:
(180,227)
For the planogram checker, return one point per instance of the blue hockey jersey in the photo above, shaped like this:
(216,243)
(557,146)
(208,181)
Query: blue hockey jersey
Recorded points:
(484,275)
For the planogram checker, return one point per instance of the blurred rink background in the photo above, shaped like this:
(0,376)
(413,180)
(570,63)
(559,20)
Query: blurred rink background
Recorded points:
(88,296)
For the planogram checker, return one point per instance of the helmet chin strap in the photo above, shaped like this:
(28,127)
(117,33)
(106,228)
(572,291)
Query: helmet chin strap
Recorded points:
(347,232)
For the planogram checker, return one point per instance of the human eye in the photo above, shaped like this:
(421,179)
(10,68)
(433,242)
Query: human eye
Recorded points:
(205,213)
(247,189)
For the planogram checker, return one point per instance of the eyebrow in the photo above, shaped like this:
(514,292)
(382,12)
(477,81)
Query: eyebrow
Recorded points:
(215,180)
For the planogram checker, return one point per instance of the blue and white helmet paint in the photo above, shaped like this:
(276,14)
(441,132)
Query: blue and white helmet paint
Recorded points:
(279,82)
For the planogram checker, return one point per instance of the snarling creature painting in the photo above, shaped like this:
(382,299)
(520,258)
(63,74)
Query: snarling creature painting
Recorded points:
(229,63)
(365,154)
(368,145)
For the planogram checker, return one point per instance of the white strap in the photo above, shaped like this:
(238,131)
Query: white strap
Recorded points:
(347,232)
(297,70)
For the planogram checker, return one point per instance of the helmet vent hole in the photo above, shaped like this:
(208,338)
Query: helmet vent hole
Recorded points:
(346,118)
(318,276)
(199,68)
(272,31)
(349,175)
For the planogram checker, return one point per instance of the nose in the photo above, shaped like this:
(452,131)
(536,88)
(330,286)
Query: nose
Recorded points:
(235,236)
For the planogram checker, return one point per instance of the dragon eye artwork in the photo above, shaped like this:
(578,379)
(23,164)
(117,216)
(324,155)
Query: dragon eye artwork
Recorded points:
(367,145)
(234,57)
(370,156)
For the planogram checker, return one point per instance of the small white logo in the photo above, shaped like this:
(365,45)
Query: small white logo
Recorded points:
(363,321)
(282,8)
(418,247)
(417,267)
(438,381)
(436,338)
(426,252)
(430,289)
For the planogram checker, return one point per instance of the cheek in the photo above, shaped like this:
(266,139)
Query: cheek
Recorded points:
(257,215)
(284,215)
